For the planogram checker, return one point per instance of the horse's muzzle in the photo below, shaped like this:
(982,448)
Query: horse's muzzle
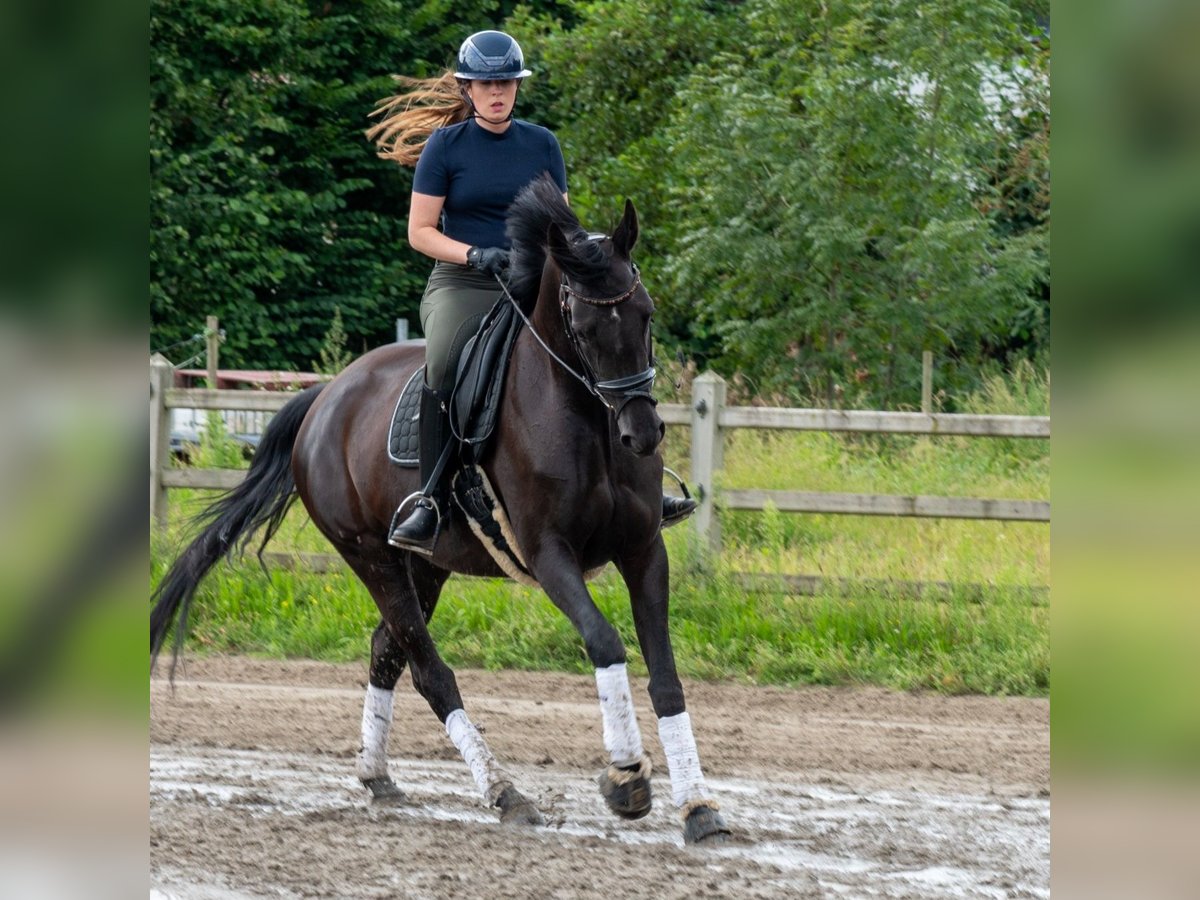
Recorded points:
(641,427)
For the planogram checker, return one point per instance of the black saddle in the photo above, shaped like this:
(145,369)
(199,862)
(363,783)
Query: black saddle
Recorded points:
(475,398)
(479,384)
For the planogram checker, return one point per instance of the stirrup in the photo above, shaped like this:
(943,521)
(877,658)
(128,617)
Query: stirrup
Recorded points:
(419,501)
(686,501)
(685,506)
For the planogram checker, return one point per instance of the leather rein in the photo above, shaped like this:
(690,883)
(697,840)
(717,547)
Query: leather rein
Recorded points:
(625,389)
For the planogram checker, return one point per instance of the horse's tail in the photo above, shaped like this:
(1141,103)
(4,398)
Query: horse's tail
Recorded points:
(262,498)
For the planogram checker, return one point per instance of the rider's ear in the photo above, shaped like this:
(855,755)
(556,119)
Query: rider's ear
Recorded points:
(626,234)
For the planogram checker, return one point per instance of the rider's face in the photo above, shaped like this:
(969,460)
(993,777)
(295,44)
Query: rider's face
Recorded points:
(493,100)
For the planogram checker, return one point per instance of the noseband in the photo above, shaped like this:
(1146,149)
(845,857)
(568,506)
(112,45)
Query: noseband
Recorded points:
(623,390)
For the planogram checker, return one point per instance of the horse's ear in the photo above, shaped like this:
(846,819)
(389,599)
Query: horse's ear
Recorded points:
(626,234)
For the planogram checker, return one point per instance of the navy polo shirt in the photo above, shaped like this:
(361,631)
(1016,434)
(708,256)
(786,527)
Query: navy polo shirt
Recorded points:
(480,173)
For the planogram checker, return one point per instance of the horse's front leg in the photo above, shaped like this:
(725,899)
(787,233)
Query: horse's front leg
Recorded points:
(625,784)
(647,577)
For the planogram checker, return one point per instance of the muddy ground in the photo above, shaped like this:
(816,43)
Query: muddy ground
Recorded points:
(853,792)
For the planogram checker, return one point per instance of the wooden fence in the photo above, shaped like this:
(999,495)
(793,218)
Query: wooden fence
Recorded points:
(709,419)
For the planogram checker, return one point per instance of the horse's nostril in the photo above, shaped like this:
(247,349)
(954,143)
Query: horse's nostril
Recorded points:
(626,441)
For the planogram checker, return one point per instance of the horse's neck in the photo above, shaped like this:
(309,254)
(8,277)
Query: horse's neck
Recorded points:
(547,317)
(547,320)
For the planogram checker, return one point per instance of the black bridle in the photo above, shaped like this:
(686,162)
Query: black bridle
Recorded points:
(622,390)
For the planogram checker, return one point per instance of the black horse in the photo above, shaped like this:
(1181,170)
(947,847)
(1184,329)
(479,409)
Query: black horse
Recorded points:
(573,464)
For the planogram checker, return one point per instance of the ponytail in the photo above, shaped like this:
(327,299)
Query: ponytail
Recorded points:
(411,116)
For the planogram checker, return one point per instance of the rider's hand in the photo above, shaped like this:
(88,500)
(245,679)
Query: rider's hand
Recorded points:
(488,260)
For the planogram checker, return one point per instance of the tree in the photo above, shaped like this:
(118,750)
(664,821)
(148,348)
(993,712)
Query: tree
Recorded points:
(825,189)
(268,206)
(854,235)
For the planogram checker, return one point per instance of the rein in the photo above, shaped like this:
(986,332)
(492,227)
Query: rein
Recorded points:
(627,388)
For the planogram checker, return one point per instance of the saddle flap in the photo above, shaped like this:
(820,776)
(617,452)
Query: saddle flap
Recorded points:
(475,402)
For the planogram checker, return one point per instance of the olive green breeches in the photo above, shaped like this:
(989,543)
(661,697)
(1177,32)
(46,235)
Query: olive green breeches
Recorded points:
(456,300)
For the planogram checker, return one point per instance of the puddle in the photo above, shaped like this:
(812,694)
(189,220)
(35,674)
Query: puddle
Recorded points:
(873,843)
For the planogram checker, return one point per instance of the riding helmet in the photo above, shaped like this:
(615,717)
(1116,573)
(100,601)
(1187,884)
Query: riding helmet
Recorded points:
(490,56)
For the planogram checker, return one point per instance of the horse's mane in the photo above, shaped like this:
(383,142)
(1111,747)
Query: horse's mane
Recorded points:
(530,216)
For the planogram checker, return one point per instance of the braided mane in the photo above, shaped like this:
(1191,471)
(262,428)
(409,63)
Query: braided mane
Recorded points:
(530,216)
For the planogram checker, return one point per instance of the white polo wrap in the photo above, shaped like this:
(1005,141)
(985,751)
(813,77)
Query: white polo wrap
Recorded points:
(683,762)
(376,723)
(622,738)
(492,779)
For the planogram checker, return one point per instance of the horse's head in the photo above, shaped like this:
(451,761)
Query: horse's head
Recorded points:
(607,313)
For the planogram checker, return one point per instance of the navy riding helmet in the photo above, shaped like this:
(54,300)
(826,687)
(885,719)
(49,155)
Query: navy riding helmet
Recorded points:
(490,56)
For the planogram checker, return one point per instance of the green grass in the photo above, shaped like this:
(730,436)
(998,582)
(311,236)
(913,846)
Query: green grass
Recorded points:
(992,640)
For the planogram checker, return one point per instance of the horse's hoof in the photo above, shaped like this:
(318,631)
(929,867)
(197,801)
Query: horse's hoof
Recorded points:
(384,791)
(516,809)
(627,790)
(704,825)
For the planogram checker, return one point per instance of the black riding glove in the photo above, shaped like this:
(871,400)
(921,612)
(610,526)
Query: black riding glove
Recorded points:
(488,260)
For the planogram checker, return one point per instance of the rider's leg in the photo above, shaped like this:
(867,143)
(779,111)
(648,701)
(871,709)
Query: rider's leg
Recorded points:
(455,301)
(419,530)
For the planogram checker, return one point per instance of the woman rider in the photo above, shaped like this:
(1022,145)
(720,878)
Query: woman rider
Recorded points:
(472,158)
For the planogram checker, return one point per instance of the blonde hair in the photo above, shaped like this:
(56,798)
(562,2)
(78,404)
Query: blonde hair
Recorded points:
(412,115)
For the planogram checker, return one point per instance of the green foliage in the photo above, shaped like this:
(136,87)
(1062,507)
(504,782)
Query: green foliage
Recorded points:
(217,450)
(826,189)
(334,356)
(268,207)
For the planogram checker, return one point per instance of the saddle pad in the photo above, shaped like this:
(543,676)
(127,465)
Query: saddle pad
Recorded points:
(403,447)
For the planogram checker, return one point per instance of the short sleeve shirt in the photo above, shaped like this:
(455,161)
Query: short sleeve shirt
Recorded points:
(480,174)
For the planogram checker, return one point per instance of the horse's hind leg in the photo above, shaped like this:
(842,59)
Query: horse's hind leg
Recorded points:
(406,594)
(387,662)
(647,580)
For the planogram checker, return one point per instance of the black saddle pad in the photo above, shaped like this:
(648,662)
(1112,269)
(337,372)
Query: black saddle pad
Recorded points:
(403,448)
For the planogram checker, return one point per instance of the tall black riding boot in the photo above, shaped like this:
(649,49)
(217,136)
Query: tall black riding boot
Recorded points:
(420,530)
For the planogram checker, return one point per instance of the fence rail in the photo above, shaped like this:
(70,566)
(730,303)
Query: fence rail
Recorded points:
(866,421)
(707,418)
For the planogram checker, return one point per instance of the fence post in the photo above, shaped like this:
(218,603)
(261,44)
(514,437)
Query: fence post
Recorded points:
(162,377)
(927,382)
(212,335)
(708,399)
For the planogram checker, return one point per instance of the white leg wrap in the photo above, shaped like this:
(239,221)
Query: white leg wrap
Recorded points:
(622,739)
(376,723)
(683,762)
(492,779)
